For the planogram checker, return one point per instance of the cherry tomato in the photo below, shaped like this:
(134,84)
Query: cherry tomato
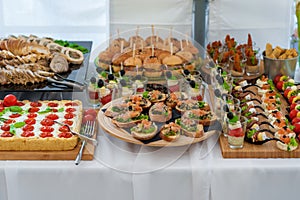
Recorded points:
(47,122)
(15,115)
(6,134)
(71,104)
(5,127)
(33,109)
(297,127)
(28,128)
(54,110)
(19,103)
(291,99)
(32,115)
(286,92)
(293,105)
(30,121)
(63,129)
(27,134)
(70,110)
(52,116)
(52,104)
(88,118)
(277,78)
(279,85)
(10,100)
(47,129)
(65,135)
(295,120)
(9,121)
(293,114)
(68,122)
(69,116)
(46,134)
(35,104)
(1,108)
(90,112)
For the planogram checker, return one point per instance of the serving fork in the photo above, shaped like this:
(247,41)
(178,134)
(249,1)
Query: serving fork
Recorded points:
(82,136)
(89,131)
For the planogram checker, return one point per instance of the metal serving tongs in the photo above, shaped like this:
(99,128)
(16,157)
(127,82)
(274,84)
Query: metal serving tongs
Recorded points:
(82,136)
(58,79)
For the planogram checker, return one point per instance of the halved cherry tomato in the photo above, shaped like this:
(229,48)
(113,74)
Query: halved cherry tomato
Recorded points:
(33,109)
(1,108)
(64,129)
(71,104)
(32,115)
(54,110)
(65,135)
(70,110)
(46,134)
(9,121)
(52,116)
(27,134)
(28,128)
(293,114)
(15,115)
(69,116)
(36,104)
(6,134)
(47,129)
(10,100)
(5,127)
(52,104)
(30,121)
(47,122)
(295,120)
(19,103)
(68,122)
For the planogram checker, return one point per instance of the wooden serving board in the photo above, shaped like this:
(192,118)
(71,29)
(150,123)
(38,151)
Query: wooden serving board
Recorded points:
(267,150)
(88,154)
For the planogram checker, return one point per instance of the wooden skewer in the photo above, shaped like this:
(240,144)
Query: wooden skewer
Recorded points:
(171,48)
(133,51)
(181,46)
(122,46)
(152,53)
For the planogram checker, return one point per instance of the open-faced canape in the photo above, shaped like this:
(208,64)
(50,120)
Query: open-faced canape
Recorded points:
(170,132)
(145,130)
(160,112)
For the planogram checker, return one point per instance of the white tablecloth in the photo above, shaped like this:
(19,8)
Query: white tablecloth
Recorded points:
(126,171)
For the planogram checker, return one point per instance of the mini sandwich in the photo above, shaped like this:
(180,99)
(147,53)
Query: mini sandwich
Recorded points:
(170,132)
(152,67)
(154,39)
(130,65)
(160,112)
(118,59)
(188,58)
(104,59)
(145,130)
(173,63)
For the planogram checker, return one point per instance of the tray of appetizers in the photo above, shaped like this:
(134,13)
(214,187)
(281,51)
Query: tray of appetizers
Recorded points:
(42,64)
(158,119)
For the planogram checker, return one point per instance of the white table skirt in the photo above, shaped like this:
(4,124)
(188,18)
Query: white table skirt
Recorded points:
(126,171)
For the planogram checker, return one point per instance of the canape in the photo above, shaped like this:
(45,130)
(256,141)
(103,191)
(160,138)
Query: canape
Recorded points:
(145,130)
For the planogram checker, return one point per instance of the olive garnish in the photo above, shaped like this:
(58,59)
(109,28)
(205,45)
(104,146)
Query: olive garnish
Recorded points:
(168,74)
(220,79)
(111,77)
(186,72)
(122,72)
(230,115)
(123,82)
(93,80)
(192,83)
(138,77)
(226,108)
(100,83)
(99,69)
(217,93)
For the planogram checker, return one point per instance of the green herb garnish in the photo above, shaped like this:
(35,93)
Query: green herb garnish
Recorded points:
(61,110)
(48,109)
(16,109)
(234,119)
(72,45)
(250,133)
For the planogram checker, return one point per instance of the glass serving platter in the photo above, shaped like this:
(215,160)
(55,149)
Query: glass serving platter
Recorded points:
(77,73)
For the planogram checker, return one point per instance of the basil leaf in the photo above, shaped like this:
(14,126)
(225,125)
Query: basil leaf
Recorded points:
(45,111)
(19,124)
(12,129)
(17,109)
(61,110)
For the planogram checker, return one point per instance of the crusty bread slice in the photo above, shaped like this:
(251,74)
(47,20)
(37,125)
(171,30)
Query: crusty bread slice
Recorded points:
(144,136)
(197,134)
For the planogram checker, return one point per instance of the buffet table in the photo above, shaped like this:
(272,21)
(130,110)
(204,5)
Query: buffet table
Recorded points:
(121,172)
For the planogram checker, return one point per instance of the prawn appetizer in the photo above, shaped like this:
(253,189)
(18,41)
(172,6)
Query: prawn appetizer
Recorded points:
(170,132)
(160,112)
(145,130)
(155,96)
(190,127)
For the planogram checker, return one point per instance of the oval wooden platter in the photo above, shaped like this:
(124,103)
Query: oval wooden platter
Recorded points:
(110,128)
